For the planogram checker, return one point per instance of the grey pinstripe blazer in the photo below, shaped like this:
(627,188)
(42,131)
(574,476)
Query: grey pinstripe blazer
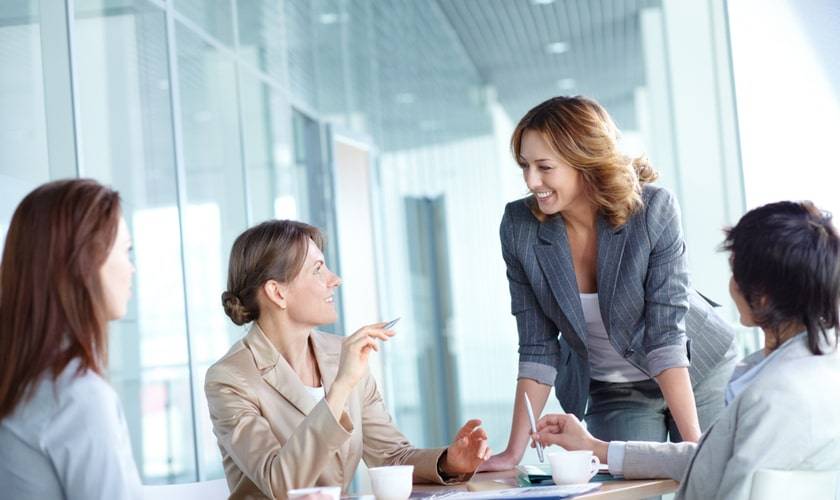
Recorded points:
(652,317)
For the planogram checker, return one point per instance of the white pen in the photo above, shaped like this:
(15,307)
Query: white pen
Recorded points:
(390,324)
(534,427)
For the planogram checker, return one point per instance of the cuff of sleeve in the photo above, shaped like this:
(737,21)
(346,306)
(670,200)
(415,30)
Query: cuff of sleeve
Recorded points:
(670,356)
(543,374)
(615,458)
(447,479)
(425,463)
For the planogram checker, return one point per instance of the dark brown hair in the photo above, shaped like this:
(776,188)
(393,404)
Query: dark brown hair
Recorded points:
(785,260)
(273,250)
(51,298)
(581,131)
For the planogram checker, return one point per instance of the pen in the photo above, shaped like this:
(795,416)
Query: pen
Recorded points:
(390,324)
(534,427)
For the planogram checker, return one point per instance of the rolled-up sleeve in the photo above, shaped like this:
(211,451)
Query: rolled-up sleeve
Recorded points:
(666,286)
(539,349)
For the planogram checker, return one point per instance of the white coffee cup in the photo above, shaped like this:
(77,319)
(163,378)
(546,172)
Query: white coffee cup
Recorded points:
(331,492)
(392,482)
(573,467)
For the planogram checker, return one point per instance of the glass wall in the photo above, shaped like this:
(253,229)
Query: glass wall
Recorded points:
(23,127)
(210,116)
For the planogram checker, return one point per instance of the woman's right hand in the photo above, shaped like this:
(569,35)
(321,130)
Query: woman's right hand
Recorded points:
(503,461)
(355,352)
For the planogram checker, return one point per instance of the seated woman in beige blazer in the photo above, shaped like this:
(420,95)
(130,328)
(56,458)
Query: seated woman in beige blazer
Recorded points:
(293,407)
(782,410)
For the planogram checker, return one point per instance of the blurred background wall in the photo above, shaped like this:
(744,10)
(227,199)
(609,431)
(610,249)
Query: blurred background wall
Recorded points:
(386,123)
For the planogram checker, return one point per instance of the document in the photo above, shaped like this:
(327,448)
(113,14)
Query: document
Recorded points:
(543,492)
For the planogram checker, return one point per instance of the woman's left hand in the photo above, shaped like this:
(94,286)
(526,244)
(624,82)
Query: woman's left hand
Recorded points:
(468,450)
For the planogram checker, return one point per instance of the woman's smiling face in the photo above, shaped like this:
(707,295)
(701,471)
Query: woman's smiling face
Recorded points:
(556,185)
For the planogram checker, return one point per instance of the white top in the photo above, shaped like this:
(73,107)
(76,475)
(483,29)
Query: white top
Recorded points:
(316,392)
(605,363)
(68,441)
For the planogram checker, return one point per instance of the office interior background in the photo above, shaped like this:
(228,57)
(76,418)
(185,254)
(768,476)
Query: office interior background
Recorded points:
(386,123)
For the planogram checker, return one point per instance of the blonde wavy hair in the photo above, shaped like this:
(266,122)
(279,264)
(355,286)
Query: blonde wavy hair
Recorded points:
(581,131)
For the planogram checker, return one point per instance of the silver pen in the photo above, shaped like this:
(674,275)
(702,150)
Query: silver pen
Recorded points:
(534,427)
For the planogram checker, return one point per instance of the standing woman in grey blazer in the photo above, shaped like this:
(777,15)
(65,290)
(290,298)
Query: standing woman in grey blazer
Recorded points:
(596,264)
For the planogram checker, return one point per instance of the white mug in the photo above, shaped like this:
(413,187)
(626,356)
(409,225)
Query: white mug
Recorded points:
(331,492)
(392,482)
(573,467)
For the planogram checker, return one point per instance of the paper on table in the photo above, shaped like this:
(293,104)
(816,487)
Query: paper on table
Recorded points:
(527,492)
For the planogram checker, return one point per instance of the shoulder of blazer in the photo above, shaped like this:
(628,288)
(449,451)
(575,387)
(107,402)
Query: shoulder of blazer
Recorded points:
(658,202)
(518,210)
(659,206)
(517,213)
(237,364)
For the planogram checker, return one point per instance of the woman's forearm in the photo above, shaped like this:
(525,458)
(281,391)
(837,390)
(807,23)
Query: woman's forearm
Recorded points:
(520,428)
(675,385)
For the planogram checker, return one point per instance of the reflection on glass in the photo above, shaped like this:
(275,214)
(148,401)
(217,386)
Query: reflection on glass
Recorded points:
(276,188)
(262,39)
(214,212)
(125,118)
(23,129)
(213,16)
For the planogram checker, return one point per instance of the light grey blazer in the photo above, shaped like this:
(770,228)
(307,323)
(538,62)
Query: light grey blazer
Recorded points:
(788,418)
(643,290)
(69,441)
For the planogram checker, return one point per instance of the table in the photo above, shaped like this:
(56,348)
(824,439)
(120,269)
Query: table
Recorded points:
(618,489)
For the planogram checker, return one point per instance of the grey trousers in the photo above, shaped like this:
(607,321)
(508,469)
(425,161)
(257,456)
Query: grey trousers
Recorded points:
(636,411)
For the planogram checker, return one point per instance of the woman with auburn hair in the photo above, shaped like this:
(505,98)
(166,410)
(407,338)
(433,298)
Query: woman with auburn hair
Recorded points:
(782,410)
(596,265)
(65,274)
(293,407)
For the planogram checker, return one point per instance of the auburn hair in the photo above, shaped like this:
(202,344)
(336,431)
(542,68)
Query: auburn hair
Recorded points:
(581,131)
(51,296)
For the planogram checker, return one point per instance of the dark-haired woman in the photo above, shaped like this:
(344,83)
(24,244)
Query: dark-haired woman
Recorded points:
(782,410)
(293,407)
(598,282)
(65,273)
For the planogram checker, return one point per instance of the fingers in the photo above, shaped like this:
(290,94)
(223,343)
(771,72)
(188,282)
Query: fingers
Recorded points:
(468,428)
(555,420)
(483,450)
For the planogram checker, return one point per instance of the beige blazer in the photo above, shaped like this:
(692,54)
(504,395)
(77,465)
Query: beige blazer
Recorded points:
(274,436)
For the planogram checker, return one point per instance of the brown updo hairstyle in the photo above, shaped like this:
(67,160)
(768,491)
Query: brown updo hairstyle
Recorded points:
(581,131)
(51,297)
(273,250)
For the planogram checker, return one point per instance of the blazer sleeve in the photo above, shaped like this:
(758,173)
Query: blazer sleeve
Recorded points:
(666,286)
(539,349)
(645,460)
(247,437)
(384,444)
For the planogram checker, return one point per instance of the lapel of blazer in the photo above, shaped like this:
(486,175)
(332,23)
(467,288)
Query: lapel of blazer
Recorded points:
(276,371)
(610,251)
(555,259)
(328,360)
